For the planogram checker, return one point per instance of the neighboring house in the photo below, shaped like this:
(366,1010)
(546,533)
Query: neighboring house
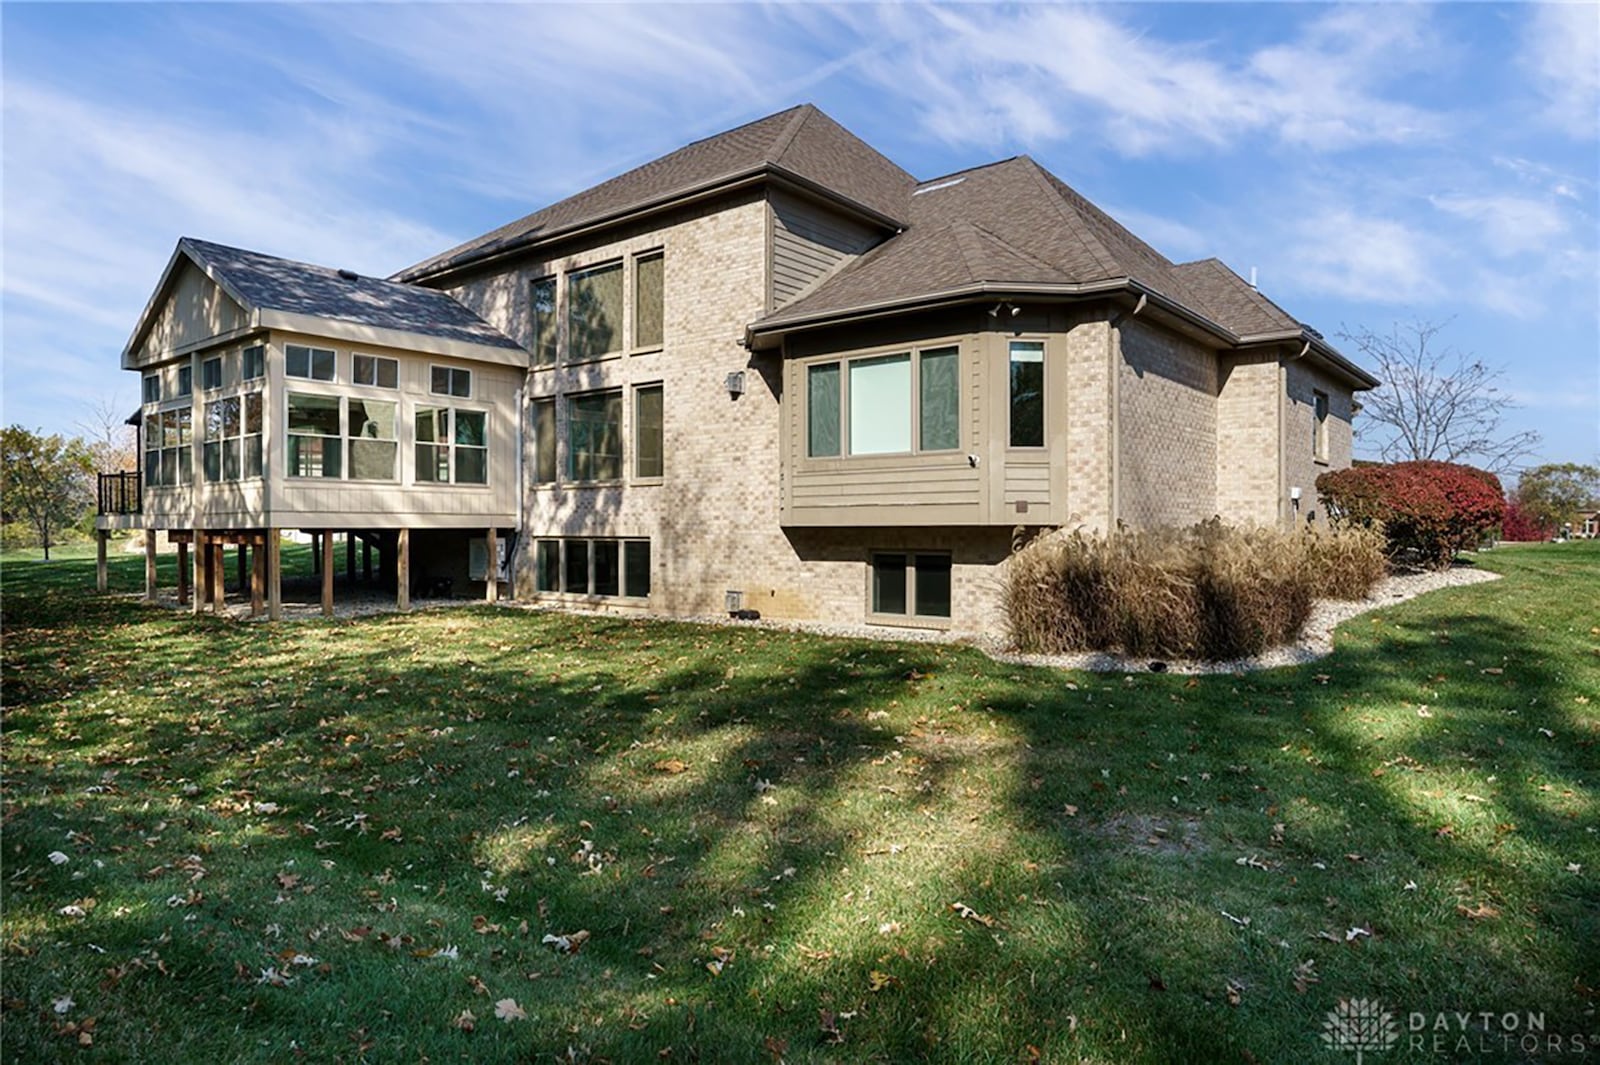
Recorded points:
(773,371)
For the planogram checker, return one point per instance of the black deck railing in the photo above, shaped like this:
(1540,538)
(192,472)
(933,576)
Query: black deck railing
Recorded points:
(120,493)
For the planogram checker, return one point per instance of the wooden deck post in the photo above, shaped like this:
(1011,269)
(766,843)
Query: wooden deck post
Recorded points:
(202,570)
(149,565)
(327,573)
(183,572)
(274,576)
(258,573)
(219,577)
(100,537)
(491,567)
(402,570)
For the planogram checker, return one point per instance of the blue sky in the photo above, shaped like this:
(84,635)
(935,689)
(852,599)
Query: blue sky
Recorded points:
(1374,163)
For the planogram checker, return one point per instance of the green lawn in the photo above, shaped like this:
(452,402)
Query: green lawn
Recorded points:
(328,841)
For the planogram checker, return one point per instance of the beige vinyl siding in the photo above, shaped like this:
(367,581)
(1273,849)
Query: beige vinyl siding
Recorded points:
(809,242)
(195,311)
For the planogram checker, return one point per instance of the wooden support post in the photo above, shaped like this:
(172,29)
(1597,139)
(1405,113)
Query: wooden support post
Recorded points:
(327,573)
(202,570)
(183,571)
(402,570)
(366,558)
(100,538)
(258,574)
(219,576)
(491,568)
(274,576)
(150,565)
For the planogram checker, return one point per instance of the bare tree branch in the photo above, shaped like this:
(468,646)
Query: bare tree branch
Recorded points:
(1436,402)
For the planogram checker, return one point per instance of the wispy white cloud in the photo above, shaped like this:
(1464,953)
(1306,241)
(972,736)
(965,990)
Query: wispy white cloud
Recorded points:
(1561,51)
(1511,225)
(963,71)
(1362,257)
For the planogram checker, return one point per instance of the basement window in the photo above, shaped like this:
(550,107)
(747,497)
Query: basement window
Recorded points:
(601,568)
(910,585)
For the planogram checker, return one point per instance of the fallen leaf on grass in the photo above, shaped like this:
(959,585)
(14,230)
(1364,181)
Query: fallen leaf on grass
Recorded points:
(1481,912)
(829,1022)
(878,980)
(721,958)
(508,1010)
(967,913)
(567,944)
(1353,934)
(1235,993)
(670,765)
(63,1004)
(465,1021)
(1305,974)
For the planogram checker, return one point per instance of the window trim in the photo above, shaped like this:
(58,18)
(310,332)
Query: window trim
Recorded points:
(1044,393)
(638,436)
(564,593)
(914,353)
(487,447)
(564,354)
(354,381)
(472,383)
(310,374)
(632,299)
(910,619)
(1319,425)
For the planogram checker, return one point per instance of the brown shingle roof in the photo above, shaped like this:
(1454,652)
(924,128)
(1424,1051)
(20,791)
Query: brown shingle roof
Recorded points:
(1230,300)
(801,141)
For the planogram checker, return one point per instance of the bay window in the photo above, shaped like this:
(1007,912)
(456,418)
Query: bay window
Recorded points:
(896,404)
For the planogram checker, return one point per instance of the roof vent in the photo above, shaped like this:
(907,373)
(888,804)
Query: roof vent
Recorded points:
(349,275)
(940,185)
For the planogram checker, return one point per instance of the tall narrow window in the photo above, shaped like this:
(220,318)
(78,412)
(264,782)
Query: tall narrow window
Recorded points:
(152,388)
(471,447)
(648,275)
(822,410)
(220,453)
(432,430)
(607,567)
(185,381)
(880,405)
(939,400)
(648,440)
(313,436)
(594,437)
(594,313)
(253,461)
(889,584)
(1319,426)
(314,364)
(372,443)
(1027,393)
(636,568)
(211,374)
(547,566)
(544,322)
(544,441)
(168,459)
(253,362)
(575,568)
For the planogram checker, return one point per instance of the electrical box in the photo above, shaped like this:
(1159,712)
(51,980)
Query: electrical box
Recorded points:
(478,556)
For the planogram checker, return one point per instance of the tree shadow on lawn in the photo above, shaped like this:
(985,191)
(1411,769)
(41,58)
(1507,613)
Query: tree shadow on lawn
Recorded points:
(904,779)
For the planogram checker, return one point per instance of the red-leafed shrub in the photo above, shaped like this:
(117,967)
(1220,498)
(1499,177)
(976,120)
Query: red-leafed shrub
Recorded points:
(1428,510)
(1519,526)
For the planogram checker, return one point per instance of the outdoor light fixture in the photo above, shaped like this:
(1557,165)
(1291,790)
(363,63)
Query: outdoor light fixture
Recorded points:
(734,383)
(994,312)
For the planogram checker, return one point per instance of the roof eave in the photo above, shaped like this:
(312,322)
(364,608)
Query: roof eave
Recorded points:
(748,177)
(1326,353)
(163,289)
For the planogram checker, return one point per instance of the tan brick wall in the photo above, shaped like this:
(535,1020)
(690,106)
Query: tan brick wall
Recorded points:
(1301,468)
(1247,439)
(1166,427)
(1089,431)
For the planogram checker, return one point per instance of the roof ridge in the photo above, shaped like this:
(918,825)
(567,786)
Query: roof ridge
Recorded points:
(1081,231)
(789,132)
(1012,248)
(969,170)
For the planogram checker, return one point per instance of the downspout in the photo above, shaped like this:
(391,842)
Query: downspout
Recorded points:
(513,551)
(1114,394)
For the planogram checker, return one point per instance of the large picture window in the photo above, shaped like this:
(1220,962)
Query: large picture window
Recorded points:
(313,436)
(648,276)
(313,364)
(896,404)
(232,429)
(607,568)
(913,585)
(1027,393)
(168,459)
(649,458)
(372,444)
(594,313)
(452,445)
(594,437)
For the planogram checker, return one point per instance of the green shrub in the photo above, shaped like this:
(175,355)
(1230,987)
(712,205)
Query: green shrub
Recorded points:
(1210,591)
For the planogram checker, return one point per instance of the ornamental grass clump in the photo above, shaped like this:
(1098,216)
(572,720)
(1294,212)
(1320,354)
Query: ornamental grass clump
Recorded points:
(1210,591)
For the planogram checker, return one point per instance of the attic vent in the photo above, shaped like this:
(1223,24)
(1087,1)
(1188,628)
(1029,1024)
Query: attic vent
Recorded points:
(940,185)
(349,275)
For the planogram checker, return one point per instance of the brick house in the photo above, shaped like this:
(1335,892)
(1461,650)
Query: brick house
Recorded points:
(773,371)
